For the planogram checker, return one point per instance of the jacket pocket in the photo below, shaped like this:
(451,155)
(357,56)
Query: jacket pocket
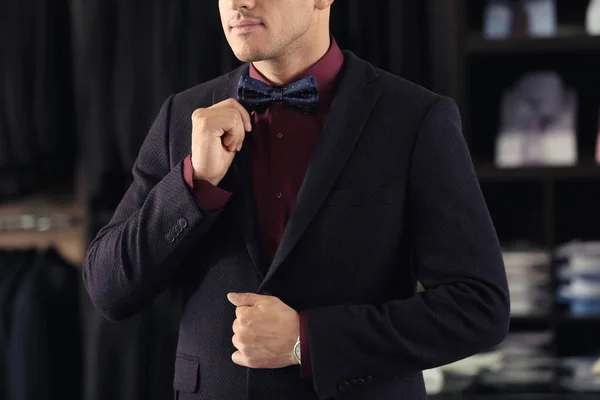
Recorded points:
(187,374)
(351,197)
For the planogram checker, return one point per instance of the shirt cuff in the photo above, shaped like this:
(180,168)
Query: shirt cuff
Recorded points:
(208,196)
(306,365)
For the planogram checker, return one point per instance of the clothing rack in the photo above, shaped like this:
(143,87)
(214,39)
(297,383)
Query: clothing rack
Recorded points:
(41,224)
(37,222)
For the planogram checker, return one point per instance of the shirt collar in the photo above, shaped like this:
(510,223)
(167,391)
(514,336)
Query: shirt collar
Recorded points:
(325,72)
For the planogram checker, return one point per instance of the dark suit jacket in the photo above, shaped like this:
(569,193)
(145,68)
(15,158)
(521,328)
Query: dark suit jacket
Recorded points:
(390,197)
(134,359)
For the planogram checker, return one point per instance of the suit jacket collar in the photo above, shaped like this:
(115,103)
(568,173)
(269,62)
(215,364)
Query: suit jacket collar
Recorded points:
(354,100)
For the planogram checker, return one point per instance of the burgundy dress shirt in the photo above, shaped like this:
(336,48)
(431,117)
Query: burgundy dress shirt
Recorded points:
(281,144)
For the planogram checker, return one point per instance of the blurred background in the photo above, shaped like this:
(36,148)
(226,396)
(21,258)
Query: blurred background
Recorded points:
(82,80)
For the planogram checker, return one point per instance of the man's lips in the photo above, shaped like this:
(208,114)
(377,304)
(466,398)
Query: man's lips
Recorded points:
(245,25)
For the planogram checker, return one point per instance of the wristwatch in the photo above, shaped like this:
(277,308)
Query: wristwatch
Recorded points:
(296,352)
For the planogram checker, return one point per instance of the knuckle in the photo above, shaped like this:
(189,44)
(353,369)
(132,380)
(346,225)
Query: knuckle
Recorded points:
(244,339)
(243,321)
(244,316)
(240,313)
(239,326)
(197,114)
(243,347)
(199,118)
(235,114)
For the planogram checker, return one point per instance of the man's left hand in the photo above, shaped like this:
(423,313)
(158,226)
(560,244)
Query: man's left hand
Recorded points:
(265,331)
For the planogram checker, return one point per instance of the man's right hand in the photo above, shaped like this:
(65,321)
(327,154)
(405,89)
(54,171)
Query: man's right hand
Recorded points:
(218,132)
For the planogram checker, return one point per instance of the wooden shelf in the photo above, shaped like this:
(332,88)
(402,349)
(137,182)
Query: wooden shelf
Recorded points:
(490,173)
(67,239)
(478,44)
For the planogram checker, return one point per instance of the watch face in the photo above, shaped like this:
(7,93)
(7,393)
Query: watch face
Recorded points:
(297,352)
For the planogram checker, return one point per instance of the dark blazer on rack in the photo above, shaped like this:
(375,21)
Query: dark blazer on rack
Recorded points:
(41,354)
(390,197)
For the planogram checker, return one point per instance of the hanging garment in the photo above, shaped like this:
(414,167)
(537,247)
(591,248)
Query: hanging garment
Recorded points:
(41,329)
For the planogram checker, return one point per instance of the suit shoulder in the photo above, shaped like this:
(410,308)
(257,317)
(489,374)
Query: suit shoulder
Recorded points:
(205,87)
(403,97)
(203,94)
(402,89)
(197,96)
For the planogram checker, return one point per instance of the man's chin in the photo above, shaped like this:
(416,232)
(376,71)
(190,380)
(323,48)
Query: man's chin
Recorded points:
(250,56)
(246,51)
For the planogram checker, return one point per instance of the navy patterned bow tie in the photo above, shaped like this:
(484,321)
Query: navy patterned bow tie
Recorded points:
(255,95)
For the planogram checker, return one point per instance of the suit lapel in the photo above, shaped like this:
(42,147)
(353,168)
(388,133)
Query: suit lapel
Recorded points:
(354,101)
(239,181)
(353,104)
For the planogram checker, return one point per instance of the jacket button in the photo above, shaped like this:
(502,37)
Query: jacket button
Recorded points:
(361,381)
(368,378)
(353,382)
(182,222)
(178,229)
(343,386)
(170,238)
(267,293)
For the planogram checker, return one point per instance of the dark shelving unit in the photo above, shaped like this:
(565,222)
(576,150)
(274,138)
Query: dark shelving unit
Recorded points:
(477,45)
(583,171)
(545,206)
(564,318)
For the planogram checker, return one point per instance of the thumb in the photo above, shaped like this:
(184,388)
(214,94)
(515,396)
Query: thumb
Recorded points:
(243,299)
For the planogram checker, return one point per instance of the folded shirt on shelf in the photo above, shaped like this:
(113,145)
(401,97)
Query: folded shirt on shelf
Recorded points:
(501,18)
(579,275)
(541,17)
(577,374)
(498,19)
(517,373)
(529,281)
(596,368)
(538,123)
(593,18)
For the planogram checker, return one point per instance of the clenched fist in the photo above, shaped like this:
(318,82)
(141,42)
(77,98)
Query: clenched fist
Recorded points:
(217,134)
(265,331)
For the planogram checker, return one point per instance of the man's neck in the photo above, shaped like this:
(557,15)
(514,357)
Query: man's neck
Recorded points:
(290,66)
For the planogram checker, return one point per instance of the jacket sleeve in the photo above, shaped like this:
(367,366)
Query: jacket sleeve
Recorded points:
(137,255)
(456,256)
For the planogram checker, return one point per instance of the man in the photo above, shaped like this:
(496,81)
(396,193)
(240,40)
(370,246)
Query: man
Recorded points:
(295,202)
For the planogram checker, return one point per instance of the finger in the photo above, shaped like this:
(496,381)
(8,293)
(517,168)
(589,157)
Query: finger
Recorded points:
(244,114)
(234,104)
(244,299)
(236,326)
(239,359)
(241,312)
(236,129)
(228,139)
